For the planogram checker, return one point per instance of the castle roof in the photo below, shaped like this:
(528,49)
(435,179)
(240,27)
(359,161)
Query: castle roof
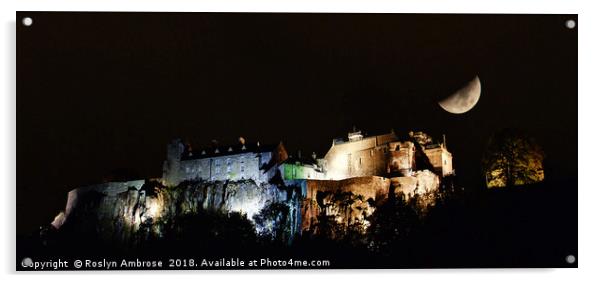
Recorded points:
(228,150)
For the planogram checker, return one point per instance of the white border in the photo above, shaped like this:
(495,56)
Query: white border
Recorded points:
(590,196)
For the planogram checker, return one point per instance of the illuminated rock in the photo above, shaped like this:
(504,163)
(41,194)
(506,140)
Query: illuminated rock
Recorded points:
(131,212)
(351,201)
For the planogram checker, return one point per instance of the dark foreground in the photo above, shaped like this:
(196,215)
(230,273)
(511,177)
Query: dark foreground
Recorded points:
(532,226)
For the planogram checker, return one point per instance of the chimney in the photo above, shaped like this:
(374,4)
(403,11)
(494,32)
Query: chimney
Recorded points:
(444,142)
(242,142)
(214,143)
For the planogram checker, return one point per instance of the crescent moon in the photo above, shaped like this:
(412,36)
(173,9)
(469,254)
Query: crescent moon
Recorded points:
(463,99)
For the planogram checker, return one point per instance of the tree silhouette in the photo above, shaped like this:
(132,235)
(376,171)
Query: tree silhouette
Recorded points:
(512,158)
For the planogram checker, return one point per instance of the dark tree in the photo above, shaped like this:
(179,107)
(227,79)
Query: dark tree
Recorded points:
(512,158)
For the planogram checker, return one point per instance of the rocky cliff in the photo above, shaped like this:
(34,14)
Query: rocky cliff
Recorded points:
(132,213)
(351,202)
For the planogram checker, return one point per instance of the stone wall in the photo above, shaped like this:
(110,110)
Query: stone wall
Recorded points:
(401,158)
(231,167)
(171,166)
(366,157)
(441,159)
(421,183)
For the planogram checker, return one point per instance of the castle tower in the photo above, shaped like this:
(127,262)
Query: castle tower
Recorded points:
(171,166)
(440,158)
(401,158)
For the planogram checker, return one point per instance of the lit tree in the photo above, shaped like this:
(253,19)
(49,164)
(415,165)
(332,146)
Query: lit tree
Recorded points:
(512,158)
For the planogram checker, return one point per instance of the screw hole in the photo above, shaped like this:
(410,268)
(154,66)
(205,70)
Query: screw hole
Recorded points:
(27,262)
(27,21)
(570,24)
(570,259)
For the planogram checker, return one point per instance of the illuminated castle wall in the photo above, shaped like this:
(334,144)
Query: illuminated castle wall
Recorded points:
(358,156)
(440,158)
(383,155)
(401,158)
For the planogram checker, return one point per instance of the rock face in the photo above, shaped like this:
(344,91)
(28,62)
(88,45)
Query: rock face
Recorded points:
(422,183)
(347,201)
(350,202)
(133,212)
(140,212)
(110,189)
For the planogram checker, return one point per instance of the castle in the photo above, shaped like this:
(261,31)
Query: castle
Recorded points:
(247,177)
(356,156)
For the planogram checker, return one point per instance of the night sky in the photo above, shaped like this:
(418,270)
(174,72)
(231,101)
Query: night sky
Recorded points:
(105,92)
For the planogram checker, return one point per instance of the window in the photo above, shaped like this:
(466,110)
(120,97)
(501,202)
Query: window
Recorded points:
(229,165)
(242,166)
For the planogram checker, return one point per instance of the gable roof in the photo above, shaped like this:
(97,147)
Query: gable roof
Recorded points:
(227,150)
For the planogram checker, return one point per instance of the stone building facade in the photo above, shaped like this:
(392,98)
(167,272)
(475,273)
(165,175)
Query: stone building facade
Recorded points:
(437,153)
(224,163)
(358,156)
(401,158)
(383,155)
(440,158)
